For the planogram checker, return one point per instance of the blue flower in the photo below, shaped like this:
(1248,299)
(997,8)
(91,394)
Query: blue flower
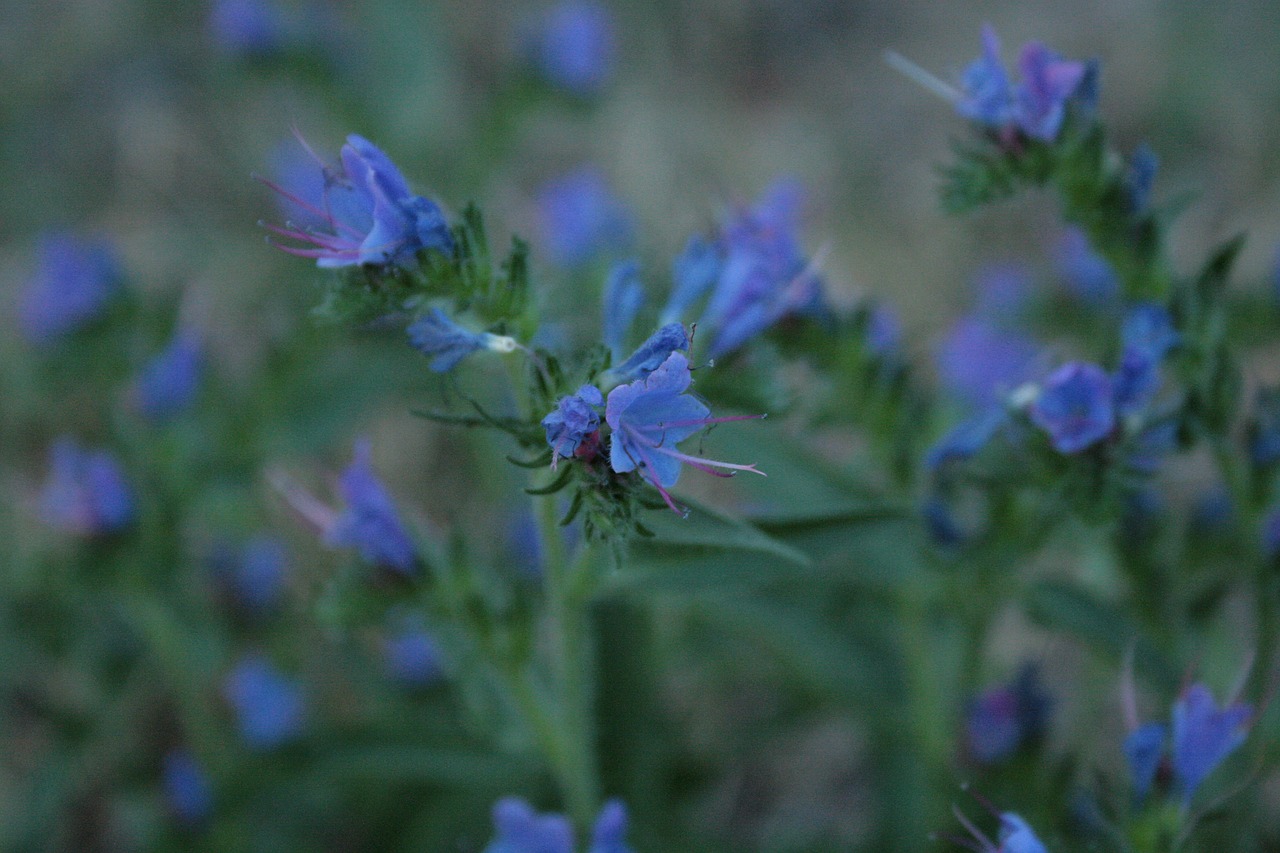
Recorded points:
(650,416)
(186,786)
(1146,338)
(1143,750)
(884,331)
(1075,407)
(1048,82)
(609,834)
(259,572)
(968,437)
(764,276)
(580,218)
(573,421)
(653,352)
(369,522)
(86,493)
(1204,735)
(520,829)
(368,213)
(1002,290)
(1004,718)
(269,707)
(412,655)
(693,272)
(1015,836)
(247,27)
(980,363)
(623,298)
(1087,275)
(1140,176)
(73,283)
(987,94)
(448,343)
(576,48)
(169,382)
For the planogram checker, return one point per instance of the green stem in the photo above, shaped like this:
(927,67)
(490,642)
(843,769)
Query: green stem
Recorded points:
(926,733)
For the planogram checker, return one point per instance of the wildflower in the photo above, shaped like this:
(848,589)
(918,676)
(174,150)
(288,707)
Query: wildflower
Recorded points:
(269,707)
(987,93)
(1015,836)
(411,655)
(1204,735)
(247,27)
(368,213)
(1002,290)
(187,788)
(86,493)
(520,829)
(73,283)
(255,572)
(448,343)
(1087,275)
(883,332)
(169,382)
(576,49)
(1075,407)
(968,437)
(653,352)
(1146,338)
(573,421)
(1139,177)
(693,272)
(650,416)
(764,277)
(1004,718)
(580,218)
(623,298)
(980,362)
(1143,750)
(1036,107)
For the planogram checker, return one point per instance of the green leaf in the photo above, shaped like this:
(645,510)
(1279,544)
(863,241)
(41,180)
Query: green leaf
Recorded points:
(447,766)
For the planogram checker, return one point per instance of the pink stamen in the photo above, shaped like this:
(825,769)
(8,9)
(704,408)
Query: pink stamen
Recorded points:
(325,213)
(698,460)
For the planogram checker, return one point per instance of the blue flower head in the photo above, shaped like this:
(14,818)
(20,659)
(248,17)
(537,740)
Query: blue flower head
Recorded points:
(187,789)
(1015,836)
(576,47)
(1087,275)
(650,416)
(623,298)
(1004,718)
(1204,735)
(412,655)
(572,422)
(692,273)
(73,282)
(764,275)
(447,343)
(369,521)
(980,363)
(247,27)
(966,438)
(169,382)
(1143,750)
(86,492)
(1048,82)
(520,829)
(609,834)
(987,94)
(1003,290)
(269,707)
(259,573)
(580,218)
(1075,407)
(1146,338)
(369,215)
(653,352)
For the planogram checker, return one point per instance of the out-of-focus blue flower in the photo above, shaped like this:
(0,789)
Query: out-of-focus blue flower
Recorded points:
(653,352)
(369,521)
(412,655)
(1146,337)
(764,275)
(573,420)
(1006,717)
(579,218)
(1087,275)
(968,437)
(1015,836)
(86,492)
(575,48)
(368,214)
(269,706)
(1140,176)
(1075,407)
(169,382)
(1143,750)
(693,272)
(74,280)
(259,575)
(987,93)
(1002,290)
(650,416)
(248,27)
(520,829)
(1048,82)
(980,362)
(447,343)
(1204,735)
(884,331)
(187,788)
(1150,446)
(623,298)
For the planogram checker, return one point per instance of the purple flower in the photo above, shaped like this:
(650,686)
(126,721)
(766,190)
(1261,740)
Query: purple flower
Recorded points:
(412,656)
(187,788)
(580,218)
(368,214)
(980,363)
(1015,836)
(1004,718)
(1075,407)
(764,276)
(247,27)
(653,352)
(369,522)
(169,382)
(1143,750)
(520,829)
(73,283)
(86,493)
(269,707)
(573,421)
(692,273)
(1087,275)
(575,49)
(650,416)
(987,93)
(448,343)
(1204,735)
(623,298)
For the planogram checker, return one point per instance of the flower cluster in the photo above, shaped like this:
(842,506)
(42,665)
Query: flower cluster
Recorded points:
(1004,718)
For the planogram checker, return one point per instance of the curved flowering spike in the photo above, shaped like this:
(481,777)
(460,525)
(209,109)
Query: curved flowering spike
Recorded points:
(269,706)
(653,352)
(370,215)
(1143,750)
(520,829)
(623,297)
(1203,735)
(609,835)
(447,342)
(369,522)
(187,789)
(987,96)
(692,273)
(74,281)
(1075,407)
(169,382)
(650,416)
(573,421)
(86,493)
(1048,82)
